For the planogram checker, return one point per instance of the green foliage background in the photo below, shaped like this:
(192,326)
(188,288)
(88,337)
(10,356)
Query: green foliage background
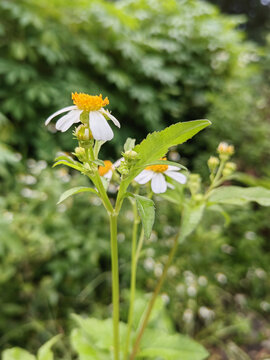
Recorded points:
(158,61)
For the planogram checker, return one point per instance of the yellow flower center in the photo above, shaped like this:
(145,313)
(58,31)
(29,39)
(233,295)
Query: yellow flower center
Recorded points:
(88,102)
(106,168)
(158,168)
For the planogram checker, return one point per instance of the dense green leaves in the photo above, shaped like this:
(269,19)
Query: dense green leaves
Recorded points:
(236,195)
(75,190)
(170,347)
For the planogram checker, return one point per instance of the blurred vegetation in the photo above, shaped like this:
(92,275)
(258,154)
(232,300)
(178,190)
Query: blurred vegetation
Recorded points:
(158,62)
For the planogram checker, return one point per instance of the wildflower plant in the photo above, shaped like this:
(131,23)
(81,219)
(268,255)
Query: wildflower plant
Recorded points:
(142,172)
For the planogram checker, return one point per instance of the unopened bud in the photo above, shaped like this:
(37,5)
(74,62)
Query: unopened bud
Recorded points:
(213,162)
(194,183)
(80,153)
(225,150)
(198,197)
(83,133)
(130,155)
(229,168)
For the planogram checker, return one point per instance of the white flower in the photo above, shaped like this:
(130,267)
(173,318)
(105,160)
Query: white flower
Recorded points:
(107,170)
(155,174)
(95,119)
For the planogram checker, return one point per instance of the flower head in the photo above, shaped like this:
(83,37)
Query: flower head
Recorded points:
(156,174)
(107,170)
(89,110)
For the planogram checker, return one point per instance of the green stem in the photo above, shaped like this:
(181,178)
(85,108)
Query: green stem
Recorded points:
(115,284)
(133,277)
(216,179)
(153,299)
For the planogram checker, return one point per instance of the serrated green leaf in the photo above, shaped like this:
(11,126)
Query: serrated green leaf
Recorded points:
(45,352)
(129,144)
(170,347)
(236,195)
(75,190)
(146,208)
(157,144)
(192,215)
(17,353)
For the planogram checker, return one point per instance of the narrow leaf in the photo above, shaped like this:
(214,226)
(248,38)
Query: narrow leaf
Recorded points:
(75,190)
(45,352)
(146,208)
(236,195)
(129,144)
(73,166)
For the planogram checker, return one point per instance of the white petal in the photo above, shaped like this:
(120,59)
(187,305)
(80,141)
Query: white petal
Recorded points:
(65,122)
(114,120)
(173,168)
(158,183)
(144,177)
(108,175)
(99,126)
(118,162)
(72,107)
(181,178)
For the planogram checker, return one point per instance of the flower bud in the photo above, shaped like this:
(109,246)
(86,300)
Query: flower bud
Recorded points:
(213,162)
(229,168)
(80,153)
(83,133)
(194,183)
(225,150)
(130,155)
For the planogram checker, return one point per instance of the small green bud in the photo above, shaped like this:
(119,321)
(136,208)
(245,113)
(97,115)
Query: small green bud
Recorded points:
(130,155)
(229,168)
(83,133)
(198,197)
(225,150)
(194,183)
(213,162)
(80,153)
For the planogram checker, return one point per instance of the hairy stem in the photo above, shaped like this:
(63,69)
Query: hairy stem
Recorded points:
(153,299)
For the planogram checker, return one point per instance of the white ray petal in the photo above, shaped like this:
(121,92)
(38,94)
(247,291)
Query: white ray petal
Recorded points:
(173,168)
(181,178)
(118,162)
(114,120)
(72,107)
(65,122)
(158,183)
(144,177)
(108,175)
(99,126)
